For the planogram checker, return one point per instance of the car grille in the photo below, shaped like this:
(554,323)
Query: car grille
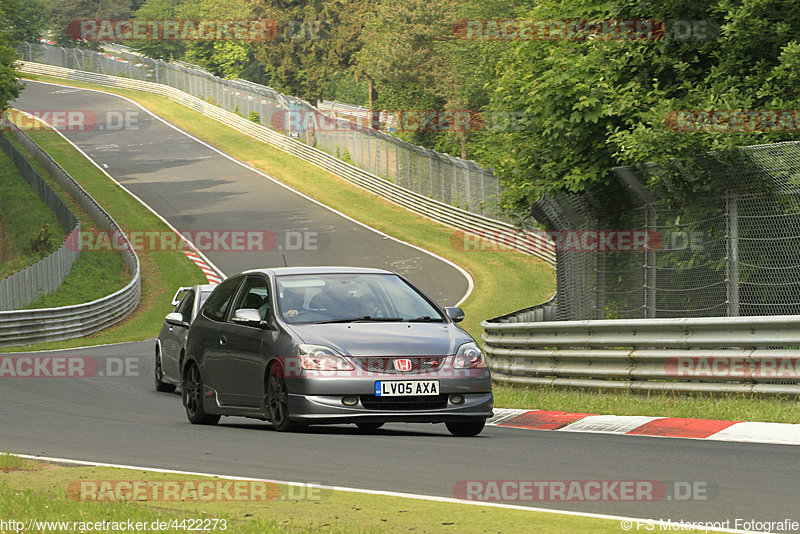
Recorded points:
(422,402)
(385,364)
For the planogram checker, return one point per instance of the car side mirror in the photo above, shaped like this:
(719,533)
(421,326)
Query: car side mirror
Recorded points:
(455,314)
(176,319)
(247,317)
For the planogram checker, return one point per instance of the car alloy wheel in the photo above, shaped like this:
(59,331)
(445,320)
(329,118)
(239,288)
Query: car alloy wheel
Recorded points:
(278,401)
(193,398)
(159,372)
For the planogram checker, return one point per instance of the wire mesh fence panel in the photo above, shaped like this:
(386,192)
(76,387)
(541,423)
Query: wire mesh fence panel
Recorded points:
(718,236)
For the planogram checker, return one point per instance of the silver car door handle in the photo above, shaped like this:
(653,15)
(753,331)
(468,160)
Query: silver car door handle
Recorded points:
(222,340)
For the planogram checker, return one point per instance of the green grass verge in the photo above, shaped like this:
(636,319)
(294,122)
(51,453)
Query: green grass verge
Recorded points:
(731,407)
(162,271)
(504,281)
(22,216)
(39,490)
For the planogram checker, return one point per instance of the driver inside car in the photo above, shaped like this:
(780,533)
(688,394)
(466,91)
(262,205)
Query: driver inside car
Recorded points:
(291,304)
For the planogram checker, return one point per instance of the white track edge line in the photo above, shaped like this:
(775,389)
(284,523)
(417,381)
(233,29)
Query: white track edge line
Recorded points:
(142,202)
(433,498)
(464,273)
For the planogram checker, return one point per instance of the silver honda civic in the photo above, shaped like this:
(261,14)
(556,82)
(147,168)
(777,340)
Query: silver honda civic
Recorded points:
(320,345)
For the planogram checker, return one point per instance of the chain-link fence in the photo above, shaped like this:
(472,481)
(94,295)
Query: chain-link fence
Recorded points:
(717,236)
(454,181)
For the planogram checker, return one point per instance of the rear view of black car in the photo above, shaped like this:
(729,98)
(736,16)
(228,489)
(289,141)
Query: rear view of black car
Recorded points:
(322,345)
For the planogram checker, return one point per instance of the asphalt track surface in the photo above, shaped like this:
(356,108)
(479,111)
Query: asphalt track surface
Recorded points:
(197,189)
(122,419)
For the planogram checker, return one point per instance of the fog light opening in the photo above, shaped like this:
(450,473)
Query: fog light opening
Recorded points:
(457,399)
(350,401)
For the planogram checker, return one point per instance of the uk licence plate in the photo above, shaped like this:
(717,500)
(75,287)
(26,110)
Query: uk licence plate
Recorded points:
(401,388)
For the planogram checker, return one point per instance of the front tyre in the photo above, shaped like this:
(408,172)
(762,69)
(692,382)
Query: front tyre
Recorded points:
(466,429)
(193,398)
(159,376)
(277,400)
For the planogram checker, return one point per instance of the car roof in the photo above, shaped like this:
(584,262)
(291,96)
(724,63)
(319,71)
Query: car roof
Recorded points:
(201,288)
(278,271)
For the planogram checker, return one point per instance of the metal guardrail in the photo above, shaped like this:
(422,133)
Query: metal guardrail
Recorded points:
(356,114)
(454,181)
(758,355)
(533,314)
(67,322)
(46,275)
(496,232)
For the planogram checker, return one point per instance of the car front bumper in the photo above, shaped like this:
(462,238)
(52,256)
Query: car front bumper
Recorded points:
(321,409)
(321,400)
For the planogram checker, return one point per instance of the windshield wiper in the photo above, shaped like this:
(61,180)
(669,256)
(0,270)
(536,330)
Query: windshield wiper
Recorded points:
(425,319)
(363,318)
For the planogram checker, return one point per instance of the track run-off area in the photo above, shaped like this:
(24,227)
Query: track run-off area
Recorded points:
(118,418)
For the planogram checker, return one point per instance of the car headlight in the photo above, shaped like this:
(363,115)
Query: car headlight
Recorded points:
(469,356)
(322,358)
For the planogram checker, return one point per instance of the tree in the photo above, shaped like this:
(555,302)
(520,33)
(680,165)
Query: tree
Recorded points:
(418,61)
(160,10)
(62,12)
(589,105)
(26,19)
(10,87)
(314,46)
(224,58)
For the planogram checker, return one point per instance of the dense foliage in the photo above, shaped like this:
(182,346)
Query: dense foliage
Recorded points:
(10,11)
(558,114)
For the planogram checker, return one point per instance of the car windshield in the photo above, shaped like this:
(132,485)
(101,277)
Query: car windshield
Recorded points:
(342,298)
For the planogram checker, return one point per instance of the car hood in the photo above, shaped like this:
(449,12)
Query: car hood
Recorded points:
(385,339)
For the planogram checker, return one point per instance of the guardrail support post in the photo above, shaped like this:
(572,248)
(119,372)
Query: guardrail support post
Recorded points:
(732,257)
(650,309)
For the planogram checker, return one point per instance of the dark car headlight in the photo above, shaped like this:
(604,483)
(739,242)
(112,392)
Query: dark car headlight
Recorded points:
(469,356)
(322,358)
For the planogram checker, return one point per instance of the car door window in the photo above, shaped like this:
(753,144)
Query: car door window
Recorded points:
(186,305)
(254,295)
(218,303)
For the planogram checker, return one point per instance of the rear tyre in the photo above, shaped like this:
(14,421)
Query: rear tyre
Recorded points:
(159,376)
(277,400)
(193,398)
(466,429)
(369,427)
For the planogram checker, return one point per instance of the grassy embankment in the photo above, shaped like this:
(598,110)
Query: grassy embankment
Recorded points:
(36,490)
